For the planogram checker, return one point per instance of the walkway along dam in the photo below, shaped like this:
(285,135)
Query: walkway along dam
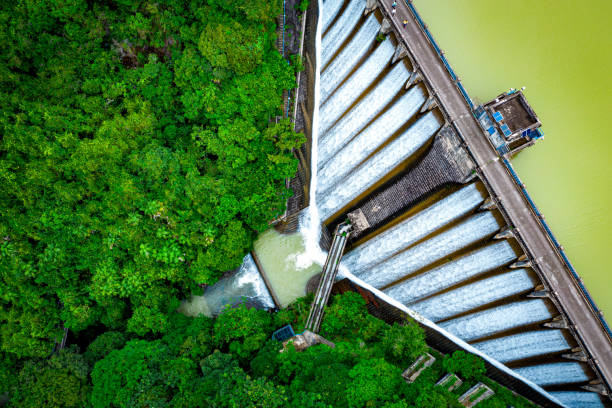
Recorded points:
(444,226)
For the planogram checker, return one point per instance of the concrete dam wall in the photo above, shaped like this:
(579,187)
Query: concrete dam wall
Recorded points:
(434,239)
(434,242)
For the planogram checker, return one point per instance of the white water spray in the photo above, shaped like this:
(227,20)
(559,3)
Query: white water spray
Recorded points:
(310,224)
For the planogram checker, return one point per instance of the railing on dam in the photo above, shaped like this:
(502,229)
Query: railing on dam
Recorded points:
(515,177)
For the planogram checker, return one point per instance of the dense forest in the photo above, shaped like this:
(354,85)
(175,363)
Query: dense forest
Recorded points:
(233,362)
(139,158)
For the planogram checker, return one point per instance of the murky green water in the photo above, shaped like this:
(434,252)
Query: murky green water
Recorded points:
(282,258)
(559,50)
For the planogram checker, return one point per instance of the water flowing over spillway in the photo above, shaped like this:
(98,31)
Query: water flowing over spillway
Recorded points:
(405,263)
(341,29)
(375,134)
(524,345)
(413,229)
(346,60)
(481,324)
(475,295)
(356,119)
(581,399)
(554,373)
(445,276)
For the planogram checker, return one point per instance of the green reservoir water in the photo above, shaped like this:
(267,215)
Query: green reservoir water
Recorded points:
(561,51)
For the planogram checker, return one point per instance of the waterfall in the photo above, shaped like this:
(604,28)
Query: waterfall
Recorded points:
(445,276)
(310,224)
(341,29)
(524,345)
(475,295)
(578,399)
(498,319)
(355,85)
(373,136)
(246,283)
(360,114)
(413,229)
(554,373)
(474,229)
(349,56)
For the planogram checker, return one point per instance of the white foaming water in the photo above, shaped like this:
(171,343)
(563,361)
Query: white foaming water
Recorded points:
(373,136)
(524,345)
(368,173)
(474,295)
(447,275)
(354,86)
(554,373)
(331,9)
(246,284)
(355,120)
(578,399)
(310,225)
(414,228)
(498,319)
(348,57)
(341,29)
(474,229)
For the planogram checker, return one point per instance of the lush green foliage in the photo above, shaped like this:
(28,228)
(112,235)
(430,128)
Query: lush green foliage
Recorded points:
(465,365)
(231,362)
(137,158)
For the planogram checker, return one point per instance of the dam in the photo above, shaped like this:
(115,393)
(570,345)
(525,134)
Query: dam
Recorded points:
(446,228)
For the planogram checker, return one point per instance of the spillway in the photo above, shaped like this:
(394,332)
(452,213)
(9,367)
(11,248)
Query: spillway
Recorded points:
(330,11)
(360,114)
(339,32)
(359,81)
(488,322)
(475,295)
(384,153)
(376,134)
(554,373)
(581,399)
(363,177)
(413,229)
(442,277)
(349,56)
(524,345)
(474,229)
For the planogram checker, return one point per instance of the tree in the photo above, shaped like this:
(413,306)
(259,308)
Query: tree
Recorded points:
(242,330)
(134,376)
(373,381)
(61,381)
(467,366)
(403,343)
